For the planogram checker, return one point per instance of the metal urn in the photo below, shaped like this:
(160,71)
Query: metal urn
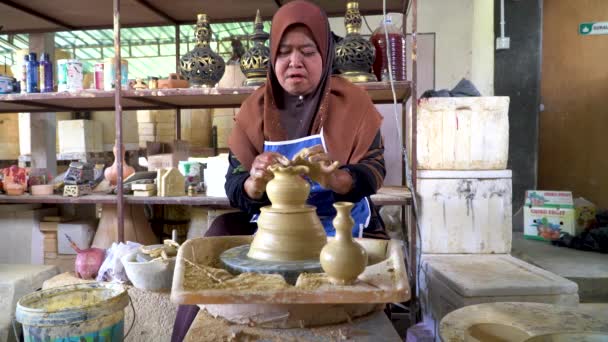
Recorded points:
(354,54)
(254,62)
(201,66)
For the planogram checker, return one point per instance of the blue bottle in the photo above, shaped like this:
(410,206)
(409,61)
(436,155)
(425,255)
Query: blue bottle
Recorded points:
(46,74)
(32,74)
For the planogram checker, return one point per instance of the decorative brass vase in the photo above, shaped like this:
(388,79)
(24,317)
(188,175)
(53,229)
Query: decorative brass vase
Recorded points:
(343,259)
(254,62)
(289,229)
(354,54)
(201,66)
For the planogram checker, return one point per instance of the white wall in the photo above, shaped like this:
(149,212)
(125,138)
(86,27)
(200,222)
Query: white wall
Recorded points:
(464,32)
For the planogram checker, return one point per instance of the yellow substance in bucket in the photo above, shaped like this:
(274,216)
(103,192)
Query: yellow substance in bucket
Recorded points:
(83,312)
(71,300)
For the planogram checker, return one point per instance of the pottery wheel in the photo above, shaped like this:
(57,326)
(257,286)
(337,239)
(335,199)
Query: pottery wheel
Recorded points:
(236,261)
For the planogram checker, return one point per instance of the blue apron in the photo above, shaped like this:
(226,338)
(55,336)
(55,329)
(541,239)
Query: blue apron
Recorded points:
(321,198)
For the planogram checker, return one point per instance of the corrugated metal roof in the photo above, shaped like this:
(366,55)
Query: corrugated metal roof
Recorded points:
(150,51)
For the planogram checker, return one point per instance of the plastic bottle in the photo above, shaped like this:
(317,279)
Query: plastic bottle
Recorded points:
(397,47)
(46,74)
(32,74)
(23,80)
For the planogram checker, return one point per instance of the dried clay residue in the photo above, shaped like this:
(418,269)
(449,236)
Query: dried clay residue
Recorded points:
(201,277)
(312,281)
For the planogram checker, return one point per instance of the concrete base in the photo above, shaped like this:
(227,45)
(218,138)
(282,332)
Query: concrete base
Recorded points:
(588,269)
(15,282)
(450,282)
(154,313)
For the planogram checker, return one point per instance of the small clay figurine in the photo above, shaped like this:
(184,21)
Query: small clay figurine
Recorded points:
(139,84)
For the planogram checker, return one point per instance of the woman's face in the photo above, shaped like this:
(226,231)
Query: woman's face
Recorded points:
(298,64)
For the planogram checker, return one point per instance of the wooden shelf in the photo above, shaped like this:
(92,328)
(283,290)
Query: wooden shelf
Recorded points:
(20,16)
(385,196)
(97,100)
(58,199)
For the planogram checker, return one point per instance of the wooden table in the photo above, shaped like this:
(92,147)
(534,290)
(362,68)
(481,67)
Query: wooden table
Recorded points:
(373,328)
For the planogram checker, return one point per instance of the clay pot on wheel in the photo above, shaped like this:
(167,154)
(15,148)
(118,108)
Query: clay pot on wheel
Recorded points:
(287,189)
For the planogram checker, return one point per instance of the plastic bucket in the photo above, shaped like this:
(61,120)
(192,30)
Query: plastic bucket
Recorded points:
(81,312)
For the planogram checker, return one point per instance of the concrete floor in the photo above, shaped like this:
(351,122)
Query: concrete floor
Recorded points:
(588,269)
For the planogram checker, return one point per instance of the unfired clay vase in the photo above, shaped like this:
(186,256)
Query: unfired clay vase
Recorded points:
(111,173)
(343,259)
(288,189)
(289,229)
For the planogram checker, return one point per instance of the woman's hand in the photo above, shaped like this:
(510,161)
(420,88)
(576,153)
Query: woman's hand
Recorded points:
(259,175)
(323,170)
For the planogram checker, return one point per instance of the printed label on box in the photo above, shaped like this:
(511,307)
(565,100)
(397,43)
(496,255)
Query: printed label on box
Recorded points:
(548,214)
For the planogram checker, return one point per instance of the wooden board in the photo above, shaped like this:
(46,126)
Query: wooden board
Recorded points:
(97,100)
(572,134)
(385,196)
(384,281)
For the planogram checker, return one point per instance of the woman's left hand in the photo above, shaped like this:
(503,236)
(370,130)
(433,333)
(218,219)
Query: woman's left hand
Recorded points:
(323,170)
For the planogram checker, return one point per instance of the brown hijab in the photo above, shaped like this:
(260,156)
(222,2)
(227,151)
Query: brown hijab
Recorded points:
(345,111)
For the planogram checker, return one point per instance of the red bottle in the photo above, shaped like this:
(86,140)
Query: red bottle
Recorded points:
(397,46)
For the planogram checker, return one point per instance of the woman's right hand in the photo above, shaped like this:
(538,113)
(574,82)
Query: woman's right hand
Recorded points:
(259,175)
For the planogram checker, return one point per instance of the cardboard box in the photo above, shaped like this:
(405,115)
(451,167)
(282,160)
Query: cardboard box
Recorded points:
(547,214)
(163,155)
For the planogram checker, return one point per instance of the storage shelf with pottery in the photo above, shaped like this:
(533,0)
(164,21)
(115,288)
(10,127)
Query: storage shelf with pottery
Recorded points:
(97,100)
(391,195)
(383,281)
(24,15)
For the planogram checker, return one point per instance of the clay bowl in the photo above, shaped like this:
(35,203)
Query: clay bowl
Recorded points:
(41,190)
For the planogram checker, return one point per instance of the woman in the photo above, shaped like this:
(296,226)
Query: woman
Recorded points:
(302,106)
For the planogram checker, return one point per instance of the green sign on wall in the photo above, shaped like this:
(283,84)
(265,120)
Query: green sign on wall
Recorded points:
(593,28)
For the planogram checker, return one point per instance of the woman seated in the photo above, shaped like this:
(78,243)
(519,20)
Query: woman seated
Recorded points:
(302,106)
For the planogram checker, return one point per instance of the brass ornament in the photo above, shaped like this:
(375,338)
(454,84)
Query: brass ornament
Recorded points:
(202,66)
(254,63)
(354,54)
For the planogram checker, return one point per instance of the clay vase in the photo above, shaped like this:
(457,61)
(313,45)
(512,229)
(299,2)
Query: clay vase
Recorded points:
(287,189)
(289,229)
(343,259)
(111,173)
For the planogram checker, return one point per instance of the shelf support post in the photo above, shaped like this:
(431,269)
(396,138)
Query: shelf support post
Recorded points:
(118,123)
(178,111)
(412,221)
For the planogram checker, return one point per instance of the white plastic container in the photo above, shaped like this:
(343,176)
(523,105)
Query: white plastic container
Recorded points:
(215,175)
(81,233)
(463,133)
(450,282)
(465,211)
